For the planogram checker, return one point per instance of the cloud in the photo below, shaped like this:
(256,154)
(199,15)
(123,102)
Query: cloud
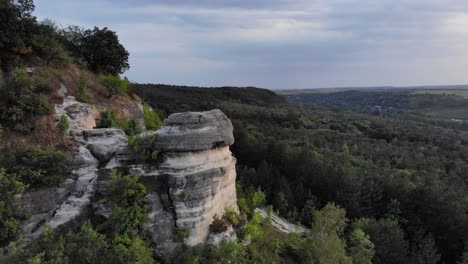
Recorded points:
(282,43)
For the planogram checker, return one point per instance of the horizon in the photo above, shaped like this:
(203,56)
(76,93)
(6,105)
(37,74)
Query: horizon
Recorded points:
(284,44)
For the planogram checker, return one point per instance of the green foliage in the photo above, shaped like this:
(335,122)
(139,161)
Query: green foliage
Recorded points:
(103,52)
(49,48)
(253,229)
(388,239)
(425,251)
(108,119)
(9,217)
(144,148)
(152,118)
(258,198)
(34,166)
(83,95)
(63,125)
(231,252)
(327,245)
(127,198)
(114,84)
(182,234)
(23,100)
(135,251)
(231,216)
(17,28)
(360,247)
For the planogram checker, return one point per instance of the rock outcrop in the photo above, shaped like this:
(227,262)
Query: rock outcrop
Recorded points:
(193,181)
(200,169)
(56,207)
(280,223)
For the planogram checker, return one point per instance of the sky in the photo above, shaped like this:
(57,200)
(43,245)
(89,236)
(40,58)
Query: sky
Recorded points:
(282,44)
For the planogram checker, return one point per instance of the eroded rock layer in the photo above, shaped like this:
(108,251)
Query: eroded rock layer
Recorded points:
(193,182)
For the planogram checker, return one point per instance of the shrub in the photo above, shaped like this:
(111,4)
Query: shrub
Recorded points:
(218,225)
(181,234)
(34,166)
(23,99)
(83,95)
(144,148)
(152,118)
(63,125)
(107,119)
(9,222)
(231,215)
(114,84)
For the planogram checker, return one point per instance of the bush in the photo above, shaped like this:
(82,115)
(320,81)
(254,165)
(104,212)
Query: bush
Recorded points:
(83,95)
(218,225)
(108,119)
(114,84)
(152,118)
(63,125)
(23,100)
(181,234)
(144,147)
(9,222)
(34,166)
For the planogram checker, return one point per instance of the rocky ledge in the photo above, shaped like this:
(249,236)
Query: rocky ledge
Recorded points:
(193,182)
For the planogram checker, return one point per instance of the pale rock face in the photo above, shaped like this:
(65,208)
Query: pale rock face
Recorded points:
(194,181)
(104,142)
(192,131)
(56,207)
(84,114)
(200,167)
(280,223)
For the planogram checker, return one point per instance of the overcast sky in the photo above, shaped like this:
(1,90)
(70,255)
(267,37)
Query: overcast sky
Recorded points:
(282,44)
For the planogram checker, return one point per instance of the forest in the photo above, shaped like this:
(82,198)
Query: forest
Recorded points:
(402,180)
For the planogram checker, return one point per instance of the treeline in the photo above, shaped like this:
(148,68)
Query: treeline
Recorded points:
(404,179)
(444,110)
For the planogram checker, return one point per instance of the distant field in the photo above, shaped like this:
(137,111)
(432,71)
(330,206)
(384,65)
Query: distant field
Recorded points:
(460,92)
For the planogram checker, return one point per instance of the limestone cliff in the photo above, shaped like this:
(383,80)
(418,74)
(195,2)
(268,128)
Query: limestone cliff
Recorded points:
(194,180)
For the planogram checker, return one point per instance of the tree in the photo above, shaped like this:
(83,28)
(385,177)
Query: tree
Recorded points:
(114,84)
(103,52)
(325,241)
(425,251)
(360,248)
(388,239)
(49,48)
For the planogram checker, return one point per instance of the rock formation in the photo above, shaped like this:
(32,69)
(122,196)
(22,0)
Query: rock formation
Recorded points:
(200,169)
(280,223)
(193,182)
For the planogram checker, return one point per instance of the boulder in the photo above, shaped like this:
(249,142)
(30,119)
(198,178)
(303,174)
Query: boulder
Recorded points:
(280,223)
(193,131)
(104,142)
